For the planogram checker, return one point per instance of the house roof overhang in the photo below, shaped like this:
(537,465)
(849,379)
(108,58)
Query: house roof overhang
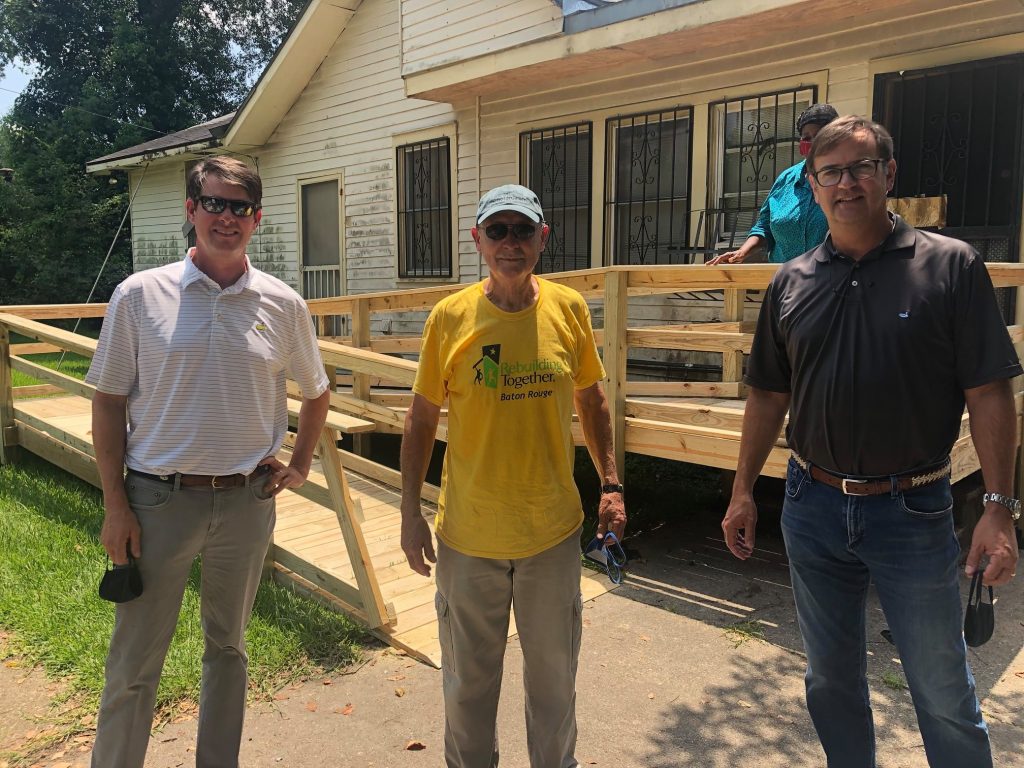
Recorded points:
(698,31)
(197,140)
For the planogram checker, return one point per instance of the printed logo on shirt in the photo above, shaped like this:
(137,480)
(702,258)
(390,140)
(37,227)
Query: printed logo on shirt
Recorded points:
(486,367)
(517,380)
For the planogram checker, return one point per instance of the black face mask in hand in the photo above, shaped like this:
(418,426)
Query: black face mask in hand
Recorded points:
(122,582)
(979,618)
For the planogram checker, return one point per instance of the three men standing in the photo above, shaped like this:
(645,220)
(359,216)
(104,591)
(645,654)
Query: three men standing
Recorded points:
(190,394)
(874,341)
(512,355)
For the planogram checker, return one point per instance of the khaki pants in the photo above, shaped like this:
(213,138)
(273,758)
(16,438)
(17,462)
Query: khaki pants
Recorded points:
(231,529)
(473,599)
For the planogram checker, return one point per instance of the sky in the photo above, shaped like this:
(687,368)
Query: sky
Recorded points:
(11,79)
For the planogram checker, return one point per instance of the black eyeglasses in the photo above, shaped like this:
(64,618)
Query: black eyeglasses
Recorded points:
(240,208)
(862,169)
(520,231)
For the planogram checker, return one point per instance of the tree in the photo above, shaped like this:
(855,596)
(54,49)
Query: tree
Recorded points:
(108,74)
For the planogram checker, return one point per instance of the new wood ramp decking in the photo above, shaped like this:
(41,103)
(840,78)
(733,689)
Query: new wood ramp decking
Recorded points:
(309,548)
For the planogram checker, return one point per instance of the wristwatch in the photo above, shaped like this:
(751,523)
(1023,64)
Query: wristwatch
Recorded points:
(614,488)
(1011,504)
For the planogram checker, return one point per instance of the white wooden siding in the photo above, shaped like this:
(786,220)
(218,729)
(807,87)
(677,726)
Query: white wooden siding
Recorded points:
(344,122)
(437,33)
(157,215)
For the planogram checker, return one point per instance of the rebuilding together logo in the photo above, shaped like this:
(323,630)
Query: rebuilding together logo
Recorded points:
(490,372)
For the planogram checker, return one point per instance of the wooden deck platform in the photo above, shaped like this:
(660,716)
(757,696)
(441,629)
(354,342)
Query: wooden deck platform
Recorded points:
(309,549)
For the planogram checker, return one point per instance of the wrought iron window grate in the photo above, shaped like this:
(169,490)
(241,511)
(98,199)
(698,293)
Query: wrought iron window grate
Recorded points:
(958,132)
(757,140)
(424,209)
(647,197)
(556,163)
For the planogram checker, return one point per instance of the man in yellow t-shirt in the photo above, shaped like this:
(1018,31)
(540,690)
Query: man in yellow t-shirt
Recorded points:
(513,355)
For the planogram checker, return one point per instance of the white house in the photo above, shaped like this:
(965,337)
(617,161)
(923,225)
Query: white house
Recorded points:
(652,129)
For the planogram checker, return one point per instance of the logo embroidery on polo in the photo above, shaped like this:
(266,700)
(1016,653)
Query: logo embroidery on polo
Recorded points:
(261,327)
(905,314)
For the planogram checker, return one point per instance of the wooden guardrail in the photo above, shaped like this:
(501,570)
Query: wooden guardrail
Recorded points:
(76,453)
(371,360)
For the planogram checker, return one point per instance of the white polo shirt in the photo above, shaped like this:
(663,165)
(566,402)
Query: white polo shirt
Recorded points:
(204,368)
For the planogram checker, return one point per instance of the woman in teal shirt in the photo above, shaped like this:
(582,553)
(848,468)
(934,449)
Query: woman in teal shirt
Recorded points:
(790,222)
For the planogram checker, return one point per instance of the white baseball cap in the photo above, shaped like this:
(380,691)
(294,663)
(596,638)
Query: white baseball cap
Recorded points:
(510,197)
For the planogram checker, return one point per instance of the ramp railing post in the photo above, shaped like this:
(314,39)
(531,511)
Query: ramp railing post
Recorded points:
(616,311)
(361,381)
(8,430)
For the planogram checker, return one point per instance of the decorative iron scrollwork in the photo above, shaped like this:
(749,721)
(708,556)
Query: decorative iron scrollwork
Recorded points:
(760,150)
(942,152)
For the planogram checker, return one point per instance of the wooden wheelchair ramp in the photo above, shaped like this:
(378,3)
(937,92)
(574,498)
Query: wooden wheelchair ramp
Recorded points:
(337,539)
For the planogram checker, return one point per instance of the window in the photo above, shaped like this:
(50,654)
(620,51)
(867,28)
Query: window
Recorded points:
(958,132)
(556,164)
(424,209)
(757,140)
(647,202)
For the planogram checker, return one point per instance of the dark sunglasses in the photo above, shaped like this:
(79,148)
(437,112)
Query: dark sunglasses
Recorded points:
(240,208)
(520,231)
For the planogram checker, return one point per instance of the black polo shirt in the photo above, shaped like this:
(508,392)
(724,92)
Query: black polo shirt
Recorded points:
(877,353)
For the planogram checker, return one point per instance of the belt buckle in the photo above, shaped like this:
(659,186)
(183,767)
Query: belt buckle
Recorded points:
(213,483)
(847,480)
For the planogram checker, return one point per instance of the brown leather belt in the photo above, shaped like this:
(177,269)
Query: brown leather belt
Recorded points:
(196,481)
(873,487)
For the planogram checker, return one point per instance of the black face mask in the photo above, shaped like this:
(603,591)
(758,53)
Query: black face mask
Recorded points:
(979,618)
(122,582)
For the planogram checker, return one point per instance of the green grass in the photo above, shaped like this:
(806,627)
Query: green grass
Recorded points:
(744,631)
(894,680)
(50,566)
(73,365)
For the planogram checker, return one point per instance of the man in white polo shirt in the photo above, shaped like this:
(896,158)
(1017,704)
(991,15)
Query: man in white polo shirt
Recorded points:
(190,394)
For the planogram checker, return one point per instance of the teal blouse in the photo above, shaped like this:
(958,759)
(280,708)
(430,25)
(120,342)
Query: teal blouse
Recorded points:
(790,221)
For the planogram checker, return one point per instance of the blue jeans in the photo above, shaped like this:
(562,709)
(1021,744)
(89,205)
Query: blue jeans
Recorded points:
(903,542)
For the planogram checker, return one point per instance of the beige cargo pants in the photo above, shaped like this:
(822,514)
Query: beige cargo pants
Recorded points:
(474,595)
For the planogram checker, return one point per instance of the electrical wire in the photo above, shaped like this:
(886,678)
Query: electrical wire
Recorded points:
(94,114)
(110,250)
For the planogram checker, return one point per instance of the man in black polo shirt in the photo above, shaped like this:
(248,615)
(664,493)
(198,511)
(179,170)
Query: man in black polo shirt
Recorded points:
(874,341)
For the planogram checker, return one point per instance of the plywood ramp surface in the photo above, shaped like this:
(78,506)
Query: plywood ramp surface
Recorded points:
(310,532)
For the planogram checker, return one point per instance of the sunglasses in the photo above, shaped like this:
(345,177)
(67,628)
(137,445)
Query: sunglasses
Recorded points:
(520,231)
(240,208)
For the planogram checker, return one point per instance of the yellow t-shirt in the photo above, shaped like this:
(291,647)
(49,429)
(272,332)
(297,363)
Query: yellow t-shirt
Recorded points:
(507,487)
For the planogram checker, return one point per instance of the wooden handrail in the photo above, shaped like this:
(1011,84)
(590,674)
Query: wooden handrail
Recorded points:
(72,342)
(56,311)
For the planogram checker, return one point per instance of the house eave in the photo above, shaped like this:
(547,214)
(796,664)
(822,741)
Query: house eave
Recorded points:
(701,31)
(156,156)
